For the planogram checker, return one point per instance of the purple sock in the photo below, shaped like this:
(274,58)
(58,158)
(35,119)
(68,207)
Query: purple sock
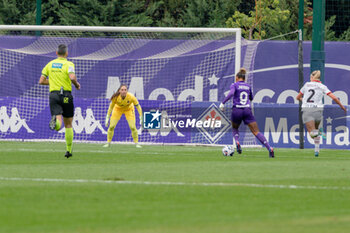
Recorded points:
(263,140)
(235,134)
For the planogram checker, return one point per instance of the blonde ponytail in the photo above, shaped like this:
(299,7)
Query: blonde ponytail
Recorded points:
(316,74)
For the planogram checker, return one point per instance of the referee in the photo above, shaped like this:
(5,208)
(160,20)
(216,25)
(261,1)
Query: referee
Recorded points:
(59,74)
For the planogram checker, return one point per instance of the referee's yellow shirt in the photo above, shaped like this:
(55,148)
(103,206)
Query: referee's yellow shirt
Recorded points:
(58,71)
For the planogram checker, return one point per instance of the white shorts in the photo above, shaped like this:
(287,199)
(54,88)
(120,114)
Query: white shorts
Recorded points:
(312,115)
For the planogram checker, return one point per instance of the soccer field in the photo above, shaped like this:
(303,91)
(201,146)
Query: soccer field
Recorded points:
(171,189)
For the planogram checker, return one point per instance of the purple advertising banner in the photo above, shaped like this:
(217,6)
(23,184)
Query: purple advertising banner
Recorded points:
(184,83)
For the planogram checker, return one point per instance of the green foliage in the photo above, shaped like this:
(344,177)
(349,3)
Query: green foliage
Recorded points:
(49,13)
(345,36)
(292,22)
(329,34)
(71,13)
(17,12)
(340,9)
(170,13)
(136,13)
(264,22)
(202,13)
(267,19)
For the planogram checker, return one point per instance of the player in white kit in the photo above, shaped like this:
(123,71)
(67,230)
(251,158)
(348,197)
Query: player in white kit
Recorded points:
(312,94)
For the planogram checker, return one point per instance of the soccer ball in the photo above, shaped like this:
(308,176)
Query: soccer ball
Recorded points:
(228,151)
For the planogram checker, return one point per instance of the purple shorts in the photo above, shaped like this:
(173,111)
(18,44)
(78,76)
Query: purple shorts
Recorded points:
(242,114)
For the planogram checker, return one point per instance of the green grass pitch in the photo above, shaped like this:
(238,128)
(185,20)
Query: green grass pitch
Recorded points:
(171,189)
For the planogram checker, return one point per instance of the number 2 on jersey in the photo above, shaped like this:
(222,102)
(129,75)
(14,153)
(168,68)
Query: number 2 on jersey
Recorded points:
(309,100)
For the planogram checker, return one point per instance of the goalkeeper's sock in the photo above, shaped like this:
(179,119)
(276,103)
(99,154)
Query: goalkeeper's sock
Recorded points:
(112,124)
(69,139)
(110,134)
(135,135)
(263,140)
(133,129)
(58,125)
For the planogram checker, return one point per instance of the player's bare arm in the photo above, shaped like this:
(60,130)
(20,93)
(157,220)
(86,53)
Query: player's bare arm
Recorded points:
(43,80)
(73,78)
(299,96)
(337,101)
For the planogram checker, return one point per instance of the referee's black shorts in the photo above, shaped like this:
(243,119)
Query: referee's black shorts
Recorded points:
(61,104)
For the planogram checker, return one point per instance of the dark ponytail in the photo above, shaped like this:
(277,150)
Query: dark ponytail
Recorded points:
(115,95)
(241,73)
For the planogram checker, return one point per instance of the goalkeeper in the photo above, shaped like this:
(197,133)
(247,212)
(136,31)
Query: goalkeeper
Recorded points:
(123,102)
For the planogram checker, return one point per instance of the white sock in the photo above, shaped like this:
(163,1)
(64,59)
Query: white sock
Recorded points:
(314,133)
(317,143)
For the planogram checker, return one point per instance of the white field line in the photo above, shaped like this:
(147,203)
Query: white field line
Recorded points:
(165,183)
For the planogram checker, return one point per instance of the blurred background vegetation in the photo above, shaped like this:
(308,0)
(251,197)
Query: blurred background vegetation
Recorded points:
(259,19)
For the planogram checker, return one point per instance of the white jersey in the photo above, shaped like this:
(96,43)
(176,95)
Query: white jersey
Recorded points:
(313,93)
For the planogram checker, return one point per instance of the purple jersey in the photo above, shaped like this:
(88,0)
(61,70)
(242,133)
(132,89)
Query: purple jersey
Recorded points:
(241,92)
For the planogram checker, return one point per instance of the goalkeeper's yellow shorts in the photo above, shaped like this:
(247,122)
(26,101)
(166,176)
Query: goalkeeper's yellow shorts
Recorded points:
(118,112)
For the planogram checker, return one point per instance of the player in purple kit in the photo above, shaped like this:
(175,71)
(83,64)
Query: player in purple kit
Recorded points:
(241,93)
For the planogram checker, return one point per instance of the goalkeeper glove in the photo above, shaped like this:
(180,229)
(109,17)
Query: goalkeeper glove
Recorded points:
(106,120)
(221,106)
(141,120)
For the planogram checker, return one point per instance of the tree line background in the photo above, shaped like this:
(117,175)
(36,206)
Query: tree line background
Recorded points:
(259,19)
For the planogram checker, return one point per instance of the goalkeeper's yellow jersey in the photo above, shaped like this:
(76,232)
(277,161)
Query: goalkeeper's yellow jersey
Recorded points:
(124,104)
(58,71)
